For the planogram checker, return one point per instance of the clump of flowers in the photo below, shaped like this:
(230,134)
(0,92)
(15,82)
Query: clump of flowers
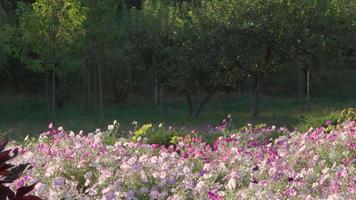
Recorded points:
(257,162)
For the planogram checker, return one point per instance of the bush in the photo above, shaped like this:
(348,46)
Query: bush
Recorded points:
(156,134)
(327,120)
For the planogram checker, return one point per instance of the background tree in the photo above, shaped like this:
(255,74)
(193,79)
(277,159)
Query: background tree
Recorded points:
(6,32)
(101,36)
(48,32)
(321,32)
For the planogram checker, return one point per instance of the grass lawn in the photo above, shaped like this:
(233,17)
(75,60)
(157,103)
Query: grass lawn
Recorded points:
(20,116)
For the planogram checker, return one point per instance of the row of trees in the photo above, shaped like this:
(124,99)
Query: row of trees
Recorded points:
(189,46)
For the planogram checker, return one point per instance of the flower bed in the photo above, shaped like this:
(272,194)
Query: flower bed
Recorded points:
(248,164)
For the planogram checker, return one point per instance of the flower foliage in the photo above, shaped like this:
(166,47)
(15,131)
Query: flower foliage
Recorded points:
(9,173)
(253,163)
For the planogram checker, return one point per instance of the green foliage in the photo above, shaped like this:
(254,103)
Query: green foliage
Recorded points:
(101,31)
(49,30)
(6,32)
(111,136)
(78,175)
(328,120)
(185,47)
(156,135)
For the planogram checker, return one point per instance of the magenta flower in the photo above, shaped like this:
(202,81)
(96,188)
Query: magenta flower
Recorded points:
(328,123)
(213,196)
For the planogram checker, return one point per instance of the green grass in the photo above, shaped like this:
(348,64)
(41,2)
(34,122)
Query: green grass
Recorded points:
(20,116)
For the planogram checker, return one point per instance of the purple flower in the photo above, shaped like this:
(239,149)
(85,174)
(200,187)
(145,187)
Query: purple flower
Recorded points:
(328,123)
(290,179)
(290,192)
(202,172)
(59,181)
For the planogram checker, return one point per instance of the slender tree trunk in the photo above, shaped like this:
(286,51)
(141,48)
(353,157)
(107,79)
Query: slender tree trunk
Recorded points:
(88,87)
(203,103)
(156,93)
(101,104)
(189,102)
(161,98)
(100,84)
(308,107)
(95,87)
(54,92)
(301,90)
(47,92)
(256,98)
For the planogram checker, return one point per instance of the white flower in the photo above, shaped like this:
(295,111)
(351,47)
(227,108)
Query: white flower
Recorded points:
(50,171)
(71,134)
(40,188)
(334,197)
(87,182)
(231,184)
(110,127)
(325,170)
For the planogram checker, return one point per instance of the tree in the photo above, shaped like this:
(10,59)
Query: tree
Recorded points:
(6,32)
(209,51)
(321,32)
(188,48)
(100,42)
(49,33)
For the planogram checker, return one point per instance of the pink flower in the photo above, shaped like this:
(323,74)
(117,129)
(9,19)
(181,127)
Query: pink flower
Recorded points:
(335,187)
(291,192)
(328,123)
(213,196)
(110,196)
(50,125)
(315,134)
(351,145)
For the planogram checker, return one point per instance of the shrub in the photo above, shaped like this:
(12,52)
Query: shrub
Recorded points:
(328,120)
(9,173)
(156,134)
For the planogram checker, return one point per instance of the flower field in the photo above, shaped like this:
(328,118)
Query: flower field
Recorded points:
(252,163)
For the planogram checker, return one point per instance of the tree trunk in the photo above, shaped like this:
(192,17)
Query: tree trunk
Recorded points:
(189,102)
(308,107)
(301,90)
(203,103)
(256,98)
(100,92)
(156,93)
(47,92)
(161,98)
(88,87)
(54,92)
(95,87)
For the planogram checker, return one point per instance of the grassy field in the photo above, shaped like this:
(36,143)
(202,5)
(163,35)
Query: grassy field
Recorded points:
(20,116)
